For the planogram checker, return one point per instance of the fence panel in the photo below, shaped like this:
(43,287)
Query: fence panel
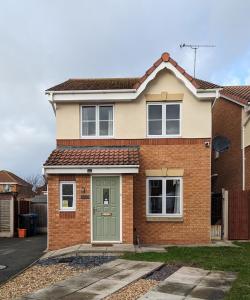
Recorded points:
(239,215)
(41,210)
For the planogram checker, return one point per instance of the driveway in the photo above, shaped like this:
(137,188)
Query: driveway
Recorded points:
(17,254)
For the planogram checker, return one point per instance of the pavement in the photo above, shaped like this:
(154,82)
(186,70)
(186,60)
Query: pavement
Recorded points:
(16,254)
(97,283)
(192,283)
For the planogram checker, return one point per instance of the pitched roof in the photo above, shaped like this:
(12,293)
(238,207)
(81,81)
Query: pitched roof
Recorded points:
(127,83)
(8,177)
(240,93)
(93,156)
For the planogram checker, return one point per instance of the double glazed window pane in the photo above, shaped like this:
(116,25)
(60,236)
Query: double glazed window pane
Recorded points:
(173,196)
(155,196)
(106,120)
(89,121)
(155,119)
(67,195)
(172,119)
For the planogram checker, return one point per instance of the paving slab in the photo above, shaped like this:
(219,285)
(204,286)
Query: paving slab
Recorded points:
(193,283)
(98,282)
(162,296)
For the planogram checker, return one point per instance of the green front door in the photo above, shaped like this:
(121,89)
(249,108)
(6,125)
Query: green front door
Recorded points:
(106,208)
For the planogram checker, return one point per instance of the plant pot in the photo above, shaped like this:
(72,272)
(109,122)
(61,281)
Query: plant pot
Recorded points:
(22,232)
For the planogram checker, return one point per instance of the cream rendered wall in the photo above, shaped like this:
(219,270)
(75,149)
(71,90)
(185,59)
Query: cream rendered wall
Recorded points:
(130,117)
(67,121)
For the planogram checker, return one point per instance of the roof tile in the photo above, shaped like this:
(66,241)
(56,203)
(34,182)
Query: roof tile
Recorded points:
(88,156)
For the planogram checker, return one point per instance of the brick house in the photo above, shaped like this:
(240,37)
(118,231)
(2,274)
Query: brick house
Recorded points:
(231,119)
(133,159)
(12,190)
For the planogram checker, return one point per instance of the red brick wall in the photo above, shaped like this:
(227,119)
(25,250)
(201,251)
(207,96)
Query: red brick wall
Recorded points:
(71,228)
(247,164)
(195,227)
(226,117)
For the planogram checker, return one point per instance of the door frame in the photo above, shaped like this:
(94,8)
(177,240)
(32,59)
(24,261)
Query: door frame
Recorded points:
(91,208)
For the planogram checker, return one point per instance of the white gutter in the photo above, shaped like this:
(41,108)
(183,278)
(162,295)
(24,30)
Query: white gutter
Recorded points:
(119,169)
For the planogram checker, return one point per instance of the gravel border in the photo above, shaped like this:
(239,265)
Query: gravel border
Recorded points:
(78,261)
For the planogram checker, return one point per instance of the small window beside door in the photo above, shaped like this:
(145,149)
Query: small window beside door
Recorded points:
(67,196)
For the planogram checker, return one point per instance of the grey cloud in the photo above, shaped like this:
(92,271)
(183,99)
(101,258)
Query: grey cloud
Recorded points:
(45,42)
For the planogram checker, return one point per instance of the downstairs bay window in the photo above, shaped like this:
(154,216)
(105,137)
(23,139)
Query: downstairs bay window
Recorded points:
(67,195)
(164,196)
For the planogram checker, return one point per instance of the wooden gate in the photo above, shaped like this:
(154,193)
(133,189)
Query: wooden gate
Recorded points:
(216,217)
(239,215)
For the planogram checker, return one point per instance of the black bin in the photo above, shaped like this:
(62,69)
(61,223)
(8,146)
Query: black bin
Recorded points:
(29,222)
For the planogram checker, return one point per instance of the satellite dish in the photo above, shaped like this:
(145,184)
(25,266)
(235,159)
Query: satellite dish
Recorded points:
(220,143)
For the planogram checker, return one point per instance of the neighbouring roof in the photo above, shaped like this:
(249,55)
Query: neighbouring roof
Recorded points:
(240,93)
(8,177)
(40,199)
(93,156)
(127,83)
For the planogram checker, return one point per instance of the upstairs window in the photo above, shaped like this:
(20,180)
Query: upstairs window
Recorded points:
(164,119)
(97,121)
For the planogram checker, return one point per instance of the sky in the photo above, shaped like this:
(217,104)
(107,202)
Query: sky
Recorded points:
(44,42)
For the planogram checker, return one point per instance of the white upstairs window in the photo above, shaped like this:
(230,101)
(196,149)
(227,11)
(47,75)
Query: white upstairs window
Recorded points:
(163,119)
(97,121)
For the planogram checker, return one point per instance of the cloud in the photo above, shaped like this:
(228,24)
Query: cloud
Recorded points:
(46,42)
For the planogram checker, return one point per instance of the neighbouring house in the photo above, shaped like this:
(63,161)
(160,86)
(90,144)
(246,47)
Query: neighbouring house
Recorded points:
(14,193)
(133,159)
(231,167)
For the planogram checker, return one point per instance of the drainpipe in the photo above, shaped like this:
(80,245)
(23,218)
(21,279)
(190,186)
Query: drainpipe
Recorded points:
(51,101)
(244,154)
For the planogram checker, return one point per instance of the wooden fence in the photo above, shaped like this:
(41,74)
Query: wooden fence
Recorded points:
(239,215)
(41,210)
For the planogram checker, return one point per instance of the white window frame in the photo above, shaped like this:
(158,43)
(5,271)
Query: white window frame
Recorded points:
(164,105)
(163,214)
(97,123)
(73,208)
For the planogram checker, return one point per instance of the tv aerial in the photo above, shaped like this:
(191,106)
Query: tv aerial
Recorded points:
(195,48)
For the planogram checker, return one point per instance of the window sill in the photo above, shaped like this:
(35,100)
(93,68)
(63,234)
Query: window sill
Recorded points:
(164,136)
(164,219)
(67,210)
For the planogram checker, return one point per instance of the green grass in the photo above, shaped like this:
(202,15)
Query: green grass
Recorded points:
(235,259)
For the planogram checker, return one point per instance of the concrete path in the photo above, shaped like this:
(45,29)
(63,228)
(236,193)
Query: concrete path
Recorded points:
(192,283)
(115,249)
(97,283)
(16,254)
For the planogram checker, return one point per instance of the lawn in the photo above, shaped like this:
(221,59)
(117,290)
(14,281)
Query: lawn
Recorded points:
(236,259)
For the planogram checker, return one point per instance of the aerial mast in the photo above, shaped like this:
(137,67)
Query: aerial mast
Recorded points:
(195,48)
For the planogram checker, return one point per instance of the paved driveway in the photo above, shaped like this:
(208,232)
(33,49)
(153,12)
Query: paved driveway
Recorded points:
(17,254)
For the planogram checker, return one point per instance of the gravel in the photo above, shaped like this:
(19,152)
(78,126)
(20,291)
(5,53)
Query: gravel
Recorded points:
(134,290)
(78,261)
(47,272)
(35,278)
(163,272)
